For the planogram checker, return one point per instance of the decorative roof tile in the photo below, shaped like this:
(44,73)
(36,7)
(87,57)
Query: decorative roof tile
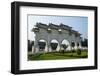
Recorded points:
(41,25)
(57,27)
(53,26)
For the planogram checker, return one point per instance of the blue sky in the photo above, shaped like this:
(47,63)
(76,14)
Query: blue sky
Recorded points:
(77,23)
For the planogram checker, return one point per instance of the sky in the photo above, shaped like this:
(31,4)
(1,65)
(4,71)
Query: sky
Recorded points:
(77,23)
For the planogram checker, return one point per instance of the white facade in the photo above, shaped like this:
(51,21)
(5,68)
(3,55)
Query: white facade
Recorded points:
(55,32)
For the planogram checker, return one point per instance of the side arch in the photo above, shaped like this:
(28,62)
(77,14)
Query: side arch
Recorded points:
(65,44)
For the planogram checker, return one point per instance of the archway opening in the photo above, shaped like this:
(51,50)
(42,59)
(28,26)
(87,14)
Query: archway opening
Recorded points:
(42,45)
(54,45)
(73,45)
(65,45)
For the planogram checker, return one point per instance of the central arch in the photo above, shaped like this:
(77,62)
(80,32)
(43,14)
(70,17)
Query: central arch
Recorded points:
(54,45)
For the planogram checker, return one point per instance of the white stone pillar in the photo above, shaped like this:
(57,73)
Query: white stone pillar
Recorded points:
(46,47)
(36,47)
(58,47)
(69,47)
(32,49)
(49,46)
(80,47)
(76,46)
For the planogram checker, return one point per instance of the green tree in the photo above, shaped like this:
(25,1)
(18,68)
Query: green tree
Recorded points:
(54,46)
(64,46)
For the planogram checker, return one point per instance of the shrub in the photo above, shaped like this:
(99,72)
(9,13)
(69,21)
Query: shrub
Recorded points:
(79,51)
(62,51)
(73,51)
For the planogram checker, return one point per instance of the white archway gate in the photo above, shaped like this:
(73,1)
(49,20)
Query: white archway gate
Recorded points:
(60,34)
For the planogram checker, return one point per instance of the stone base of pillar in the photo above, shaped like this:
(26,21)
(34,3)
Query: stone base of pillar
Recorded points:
(58,48)
(69,48)
(46,49)
(50,49)
(33,50)
(75,47)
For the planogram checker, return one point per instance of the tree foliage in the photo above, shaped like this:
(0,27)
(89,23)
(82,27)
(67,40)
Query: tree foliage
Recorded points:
(42,45)
(84,43)
(54,46)
(30,44)
(73,44)
(64,46)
